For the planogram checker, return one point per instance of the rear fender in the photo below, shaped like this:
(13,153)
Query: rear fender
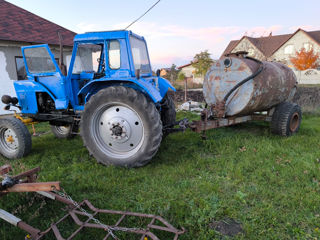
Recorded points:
(155,88)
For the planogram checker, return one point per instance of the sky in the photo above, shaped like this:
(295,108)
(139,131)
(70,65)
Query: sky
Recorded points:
(176,30)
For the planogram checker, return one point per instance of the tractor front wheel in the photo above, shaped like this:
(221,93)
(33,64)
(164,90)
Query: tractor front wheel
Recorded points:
(15,138)
(64,131)
(121,126)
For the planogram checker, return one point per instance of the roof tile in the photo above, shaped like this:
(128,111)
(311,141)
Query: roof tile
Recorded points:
(17,24)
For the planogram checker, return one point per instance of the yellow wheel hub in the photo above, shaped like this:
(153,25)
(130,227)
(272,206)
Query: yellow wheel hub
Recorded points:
(10,139)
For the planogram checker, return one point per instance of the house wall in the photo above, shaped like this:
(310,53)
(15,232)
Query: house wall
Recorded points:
(8,71)
(188,71)
(246,45)
(297,41)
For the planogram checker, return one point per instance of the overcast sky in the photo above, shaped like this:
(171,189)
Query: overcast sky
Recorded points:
(178,29)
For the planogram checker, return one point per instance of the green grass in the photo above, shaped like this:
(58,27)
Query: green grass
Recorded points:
(268,183)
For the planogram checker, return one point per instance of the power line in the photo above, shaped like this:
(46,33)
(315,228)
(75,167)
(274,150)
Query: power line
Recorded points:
(142,15)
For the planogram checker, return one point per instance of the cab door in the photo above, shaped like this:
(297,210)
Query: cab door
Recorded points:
(43,69)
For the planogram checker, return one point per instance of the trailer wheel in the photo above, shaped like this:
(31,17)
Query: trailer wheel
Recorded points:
(120,126)
(64,131)
(168,113)
(15,138)
(286,119)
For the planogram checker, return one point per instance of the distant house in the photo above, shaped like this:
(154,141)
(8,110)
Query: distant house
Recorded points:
(189,71)
(276,48)
(18,28)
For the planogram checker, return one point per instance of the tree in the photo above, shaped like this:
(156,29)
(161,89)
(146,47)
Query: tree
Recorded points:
(305,59)
(172,74)
(202,62)
(181,76)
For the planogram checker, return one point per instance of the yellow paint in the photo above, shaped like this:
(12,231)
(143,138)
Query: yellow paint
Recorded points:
(24,120)
(10,139)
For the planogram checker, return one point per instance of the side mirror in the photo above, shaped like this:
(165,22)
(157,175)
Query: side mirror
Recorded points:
(158,73)
(137,73)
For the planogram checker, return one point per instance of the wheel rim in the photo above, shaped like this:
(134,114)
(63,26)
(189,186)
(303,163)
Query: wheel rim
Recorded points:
(62,129)
(8,140)
(294,122)
(117,130)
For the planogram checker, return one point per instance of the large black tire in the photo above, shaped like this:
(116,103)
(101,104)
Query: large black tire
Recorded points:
(121,126)
(286,119)
(66,131)
(168,111)
(15,138)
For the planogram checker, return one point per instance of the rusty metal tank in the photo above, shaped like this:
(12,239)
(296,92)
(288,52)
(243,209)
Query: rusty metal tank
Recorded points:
(244,85)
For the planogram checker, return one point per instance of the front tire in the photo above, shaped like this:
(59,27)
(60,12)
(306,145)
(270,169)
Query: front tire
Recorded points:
(15,138)
(64,131)
(120,126)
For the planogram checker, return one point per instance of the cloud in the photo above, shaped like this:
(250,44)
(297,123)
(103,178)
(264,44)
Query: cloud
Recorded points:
(178,44)
(304,27)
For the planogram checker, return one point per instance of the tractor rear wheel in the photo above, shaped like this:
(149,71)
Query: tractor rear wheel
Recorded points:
(286,119)
(64,131)
(121,126)
(15,138)
(168,113)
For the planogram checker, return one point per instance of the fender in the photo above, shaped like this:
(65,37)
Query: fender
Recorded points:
(155,87)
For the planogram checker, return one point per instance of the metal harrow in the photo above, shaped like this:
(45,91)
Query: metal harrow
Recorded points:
(84,215)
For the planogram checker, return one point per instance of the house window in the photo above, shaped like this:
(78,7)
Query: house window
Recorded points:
(21,69)
(288,49)
(307,46)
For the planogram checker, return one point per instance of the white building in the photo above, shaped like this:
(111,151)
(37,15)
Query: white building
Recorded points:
(281,48)
(18,28)
(189,71)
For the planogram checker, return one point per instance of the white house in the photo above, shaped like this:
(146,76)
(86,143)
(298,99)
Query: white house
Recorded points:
(189,71)
(18,28)
(280,48)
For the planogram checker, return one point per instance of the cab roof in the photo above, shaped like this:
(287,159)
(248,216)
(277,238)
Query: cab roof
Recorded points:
(96,36)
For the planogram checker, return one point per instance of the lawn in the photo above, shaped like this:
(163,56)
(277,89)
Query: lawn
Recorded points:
(269,184)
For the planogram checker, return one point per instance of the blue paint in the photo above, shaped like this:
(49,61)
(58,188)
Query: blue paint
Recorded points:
(69,90)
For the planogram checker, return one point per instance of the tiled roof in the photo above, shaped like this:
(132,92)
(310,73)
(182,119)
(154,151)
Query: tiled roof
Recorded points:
(230,46)
(186,65)
(268,45)
(17,24)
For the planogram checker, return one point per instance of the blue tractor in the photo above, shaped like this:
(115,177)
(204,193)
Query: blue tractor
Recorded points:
(108,93)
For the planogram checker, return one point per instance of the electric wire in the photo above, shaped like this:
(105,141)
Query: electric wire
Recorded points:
(142,15)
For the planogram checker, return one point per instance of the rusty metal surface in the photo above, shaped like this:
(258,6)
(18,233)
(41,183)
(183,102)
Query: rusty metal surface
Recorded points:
(201,125)
(153,223)
(29,176)
(275,84)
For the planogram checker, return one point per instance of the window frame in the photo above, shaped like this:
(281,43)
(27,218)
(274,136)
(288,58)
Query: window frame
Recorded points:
(147,52)
(15,61)
(310,46)
(108,48)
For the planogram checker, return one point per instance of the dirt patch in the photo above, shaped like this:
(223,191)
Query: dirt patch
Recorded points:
(228,227)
